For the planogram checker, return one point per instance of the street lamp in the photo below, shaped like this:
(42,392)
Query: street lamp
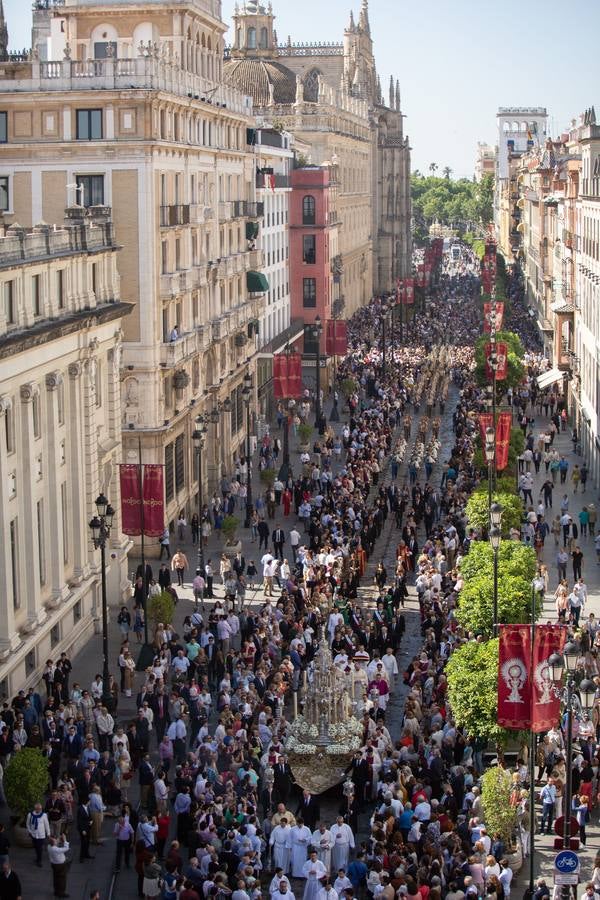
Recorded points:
(490,453)
(290,403)
(100,527)
(495,537)
(215,418)
(574,698)
(247,392)
(317,331)
(199,437)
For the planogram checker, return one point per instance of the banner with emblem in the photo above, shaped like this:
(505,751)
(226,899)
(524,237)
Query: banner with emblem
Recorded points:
(503,426)
(514,684)
(501,348)
(486,420)
(131,501)
(409,291)
(294,374)
(487,309)
(154,500)
(280,387)
(545,708)
(336,338)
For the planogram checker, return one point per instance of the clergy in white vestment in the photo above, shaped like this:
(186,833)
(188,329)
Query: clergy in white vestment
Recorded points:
(284,892)
(278,879)
(300,838)
(341,883)
(323,842)
(313,871)
(327,893)
(281,844)
(390,665)
(343,843)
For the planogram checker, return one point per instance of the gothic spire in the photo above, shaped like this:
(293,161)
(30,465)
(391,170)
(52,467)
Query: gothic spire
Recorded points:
(3,34)
(398,95)
(391,91)
(351,26)
(363,20)
(378,96)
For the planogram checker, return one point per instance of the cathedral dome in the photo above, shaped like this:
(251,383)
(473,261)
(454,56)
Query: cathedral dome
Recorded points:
(264,80)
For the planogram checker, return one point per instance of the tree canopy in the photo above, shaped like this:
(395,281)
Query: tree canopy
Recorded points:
(450,200)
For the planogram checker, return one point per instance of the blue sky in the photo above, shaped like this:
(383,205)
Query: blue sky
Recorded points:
(457,61)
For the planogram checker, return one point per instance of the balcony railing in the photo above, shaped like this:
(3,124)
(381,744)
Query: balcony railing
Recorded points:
(175,214)
(174,352)
(278,181)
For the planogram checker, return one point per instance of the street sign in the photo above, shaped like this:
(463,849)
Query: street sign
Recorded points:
(560,878)
(559,826)
(566,862)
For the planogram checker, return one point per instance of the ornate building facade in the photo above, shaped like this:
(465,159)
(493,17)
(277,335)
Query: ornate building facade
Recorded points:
(60,437)
(130,111)
(330,96)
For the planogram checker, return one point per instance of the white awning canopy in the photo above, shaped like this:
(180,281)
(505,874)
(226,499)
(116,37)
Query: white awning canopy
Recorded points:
(550,377)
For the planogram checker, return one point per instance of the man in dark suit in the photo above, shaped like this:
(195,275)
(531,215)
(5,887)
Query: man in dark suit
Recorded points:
(282,783)
(308,809)
(239,564)
(278,538)
(84,827)
(159,704)
(10,886)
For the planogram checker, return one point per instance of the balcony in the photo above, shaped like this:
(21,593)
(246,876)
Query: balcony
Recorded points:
(172,353)
(256,259)
(176,214)
(271,182)
(199,214)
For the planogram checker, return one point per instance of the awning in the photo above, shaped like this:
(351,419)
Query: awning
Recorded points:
(251,230)
(256,283)
(550,377)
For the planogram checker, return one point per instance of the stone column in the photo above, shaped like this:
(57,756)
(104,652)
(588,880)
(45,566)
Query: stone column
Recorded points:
(9,638)
(28,538)
(54,530)
(76,468)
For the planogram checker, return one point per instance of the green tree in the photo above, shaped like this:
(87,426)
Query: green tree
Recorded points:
(476,604)
(499,816)
(478,512)
(161,608)
(472,673)
(433,167)
(26,780)
(447,171)
(513,559)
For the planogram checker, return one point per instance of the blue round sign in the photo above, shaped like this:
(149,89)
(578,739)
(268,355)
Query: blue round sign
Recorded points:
(566,861)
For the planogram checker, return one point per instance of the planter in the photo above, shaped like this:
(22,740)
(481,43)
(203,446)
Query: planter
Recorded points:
(303,448)
(21,836)
(515,859)
(231,549)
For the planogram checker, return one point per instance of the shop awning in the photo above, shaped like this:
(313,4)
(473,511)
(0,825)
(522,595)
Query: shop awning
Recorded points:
(550,377)
(251,230)
(256,283)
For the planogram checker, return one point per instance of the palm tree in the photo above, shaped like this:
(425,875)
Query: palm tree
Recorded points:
(433,168)
(447,172)
(417,173)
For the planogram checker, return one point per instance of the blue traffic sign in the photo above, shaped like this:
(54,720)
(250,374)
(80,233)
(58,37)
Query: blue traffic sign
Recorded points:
(566,861)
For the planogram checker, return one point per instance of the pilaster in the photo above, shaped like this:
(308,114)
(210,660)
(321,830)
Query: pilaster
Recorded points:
(54,530)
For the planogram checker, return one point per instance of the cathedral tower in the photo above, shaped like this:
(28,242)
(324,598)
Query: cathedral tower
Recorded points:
(254,35)
(3,34)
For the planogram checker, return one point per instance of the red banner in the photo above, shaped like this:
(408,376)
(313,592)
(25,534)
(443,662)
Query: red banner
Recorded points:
(154,512)
(526,699)
(514,684)
(545,708)
(400,290)
(294,375)
(486,420)
(336,338)
(502,360)
(280,385)
(503,426)
(421,276)
(409,291)
(131,504)
(487,309)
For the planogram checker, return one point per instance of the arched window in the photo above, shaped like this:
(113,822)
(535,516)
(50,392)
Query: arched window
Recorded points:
(264,38)
(308,210)
(311,86)
(238,39)
(251,42)
(506,126)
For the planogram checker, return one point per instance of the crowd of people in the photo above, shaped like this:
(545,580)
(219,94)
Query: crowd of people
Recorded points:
(219,812)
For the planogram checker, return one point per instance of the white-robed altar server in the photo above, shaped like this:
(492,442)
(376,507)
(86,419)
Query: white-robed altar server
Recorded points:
(313,870)
(323,842)
(343,843)
(281,844)
(300,839)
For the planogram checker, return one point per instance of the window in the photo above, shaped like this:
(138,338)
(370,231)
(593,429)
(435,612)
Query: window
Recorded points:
(311,86)
(14,563)
(77,613)
(9,430)
(98,384)
(35,409)
(60,403)
(101,50)
(60,288)
(3,127)
(36,294)
(252,38)
(41,547)
(89,124)
(308,210)
(179,463)
(164,250)
(94,279)
(169,473)
(309,249)
(54,635)
(9,302)
(91,190)
(309,292)
(4,194)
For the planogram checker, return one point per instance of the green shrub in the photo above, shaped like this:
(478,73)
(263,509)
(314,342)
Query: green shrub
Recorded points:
(230,526)
(26,780)
(478,512)
(499,816)
(161,608)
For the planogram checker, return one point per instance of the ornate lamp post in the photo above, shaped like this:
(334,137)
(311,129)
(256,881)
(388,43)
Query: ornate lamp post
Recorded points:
(215,418)
(247,392)
(574,699)
(100,527)
(495,539)
(317,331)
(490,453)
(199,437)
